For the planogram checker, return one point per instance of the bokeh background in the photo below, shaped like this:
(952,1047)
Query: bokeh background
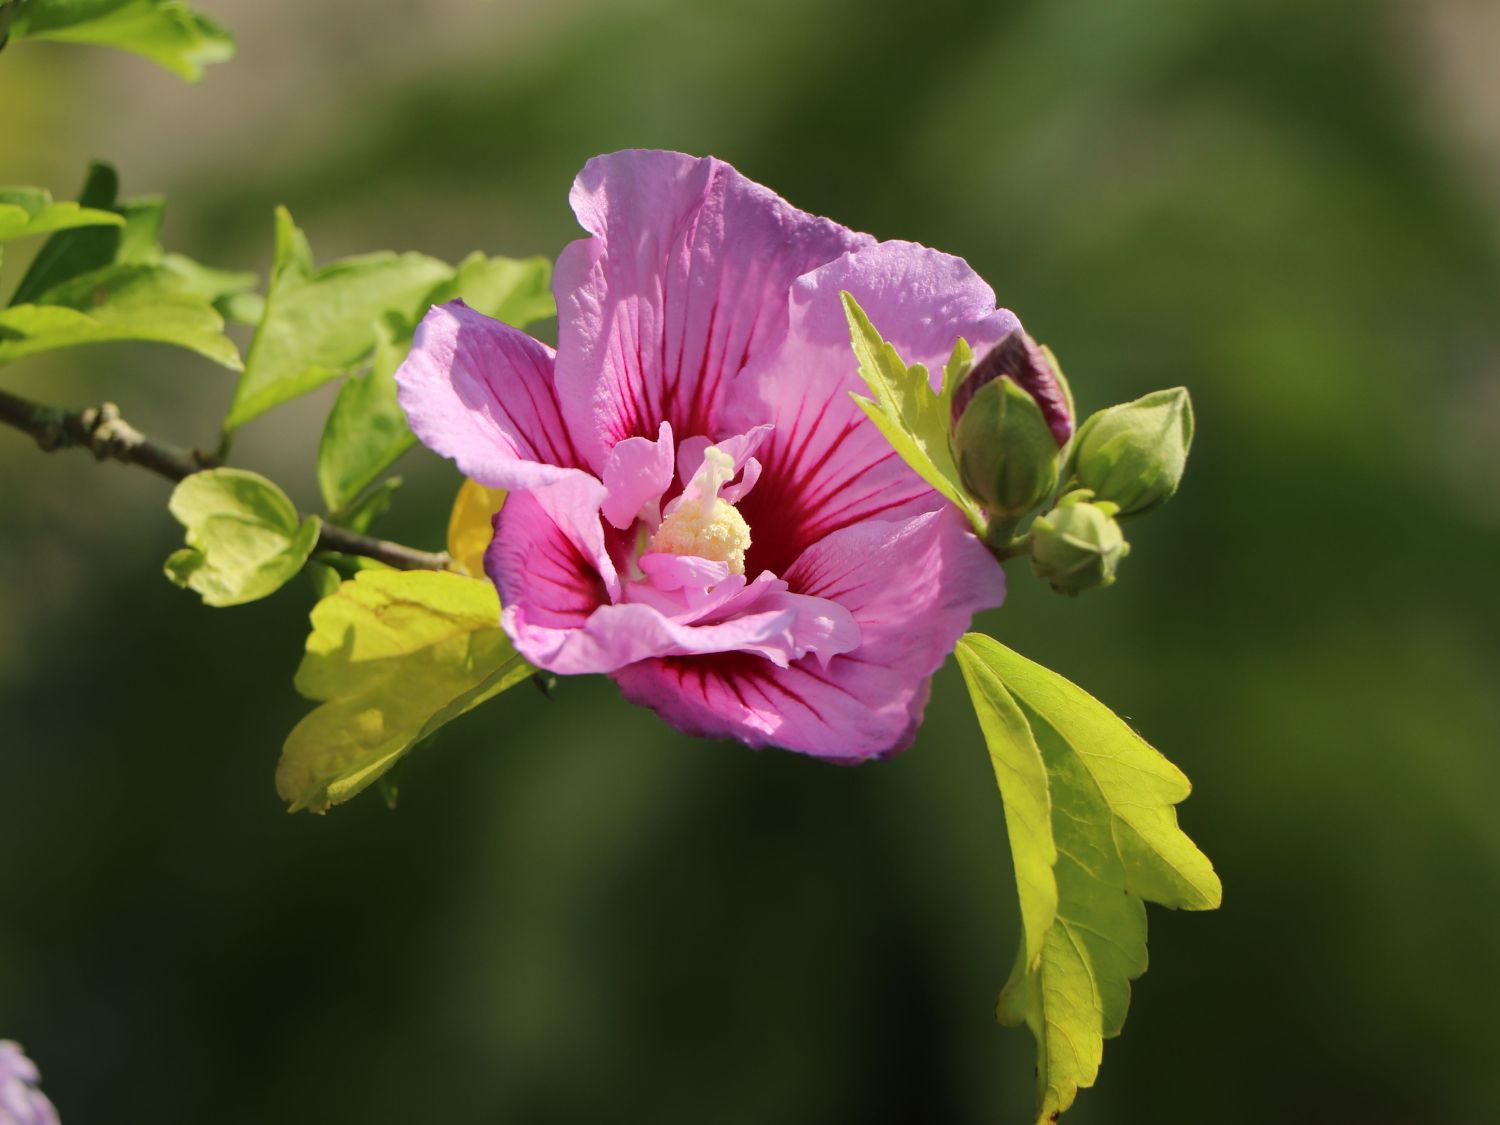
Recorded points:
(575,915)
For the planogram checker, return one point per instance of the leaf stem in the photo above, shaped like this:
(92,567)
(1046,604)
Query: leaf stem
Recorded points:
(106,435)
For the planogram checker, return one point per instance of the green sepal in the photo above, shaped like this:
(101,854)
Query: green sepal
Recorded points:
(1006,453)
(1134,454)
(1078,545)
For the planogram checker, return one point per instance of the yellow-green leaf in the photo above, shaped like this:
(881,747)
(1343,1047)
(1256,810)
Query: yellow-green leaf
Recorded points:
(244,538)
(28,211)
(1118,845)
(1022,777)
(167,32)
(320,324)
(471,525)
(913,417)
(393,655)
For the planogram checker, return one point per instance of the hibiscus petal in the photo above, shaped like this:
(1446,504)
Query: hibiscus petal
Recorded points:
(682,284)
(548,554)
(912,587)
(825,466)
(636,473)
(481,392)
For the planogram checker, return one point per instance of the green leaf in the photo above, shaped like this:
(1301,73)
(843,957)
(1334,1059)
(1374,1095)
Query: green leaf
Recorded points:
(244,538)
(910,414)
(515,290)
(1022,777)
(393,656)
(1118,846)
(320,324)
(371,506)
(119,302)
(28,211)
(366,431)
(165,31)
(69,253)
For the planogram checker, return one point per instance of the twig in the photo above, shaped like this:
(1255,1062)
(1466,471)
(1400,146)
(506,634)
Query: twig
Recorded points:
(109,437)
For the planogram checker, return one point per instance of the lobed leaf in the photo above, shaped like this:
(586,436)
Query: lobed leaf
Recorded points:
(392,657)
(318,325)
(167,32)
(1022,777)
(913,417)
(1118,846)
(244,538)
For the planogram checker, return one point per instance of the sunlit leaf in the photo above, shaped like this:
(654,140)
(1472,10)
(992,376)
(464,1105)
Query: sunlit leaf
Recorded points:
(320,324)
(244,538)
(1118,846)
(393,655)
(28,211)
(1022,777)
(913,418)
(471,525)
(142,303)
(515,290)
(167,32)
(366,432)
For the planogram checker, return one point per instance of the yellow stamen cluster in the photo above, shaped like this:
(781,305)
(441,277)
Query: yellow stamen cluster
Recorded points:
(709,529)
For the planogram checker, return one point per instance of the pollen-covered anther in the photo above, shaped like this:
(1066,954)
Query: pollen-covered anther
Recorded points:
(712,529)
(698,523)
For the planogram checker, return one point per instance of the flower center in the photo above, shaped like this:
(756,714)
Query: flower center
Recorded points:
(698,523)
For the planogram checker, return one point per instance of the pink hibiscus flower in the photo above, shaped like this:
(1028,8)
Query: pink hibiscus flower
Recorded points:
(698,509)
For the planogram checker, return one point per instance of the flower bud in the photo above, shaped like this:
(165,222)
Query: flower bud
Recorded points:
(1031,367)
(1133,454)
(1010,418)
(1078,545)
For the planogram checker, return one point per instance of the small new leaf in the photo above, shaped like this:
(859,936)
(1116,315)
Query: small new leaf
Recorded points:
(393,655)
(1118,847)
(913,417)
(167,32)
(244,539)
(320,324)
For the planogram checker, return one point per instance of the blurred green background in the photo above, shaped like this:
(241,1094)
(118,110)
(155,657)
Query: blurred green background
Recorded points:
(576,915)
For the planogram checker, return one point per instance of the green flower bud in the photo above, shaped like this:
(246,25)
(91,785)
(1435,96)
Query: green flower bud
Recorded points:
(1133,454)
(1078,545)
(1006,452)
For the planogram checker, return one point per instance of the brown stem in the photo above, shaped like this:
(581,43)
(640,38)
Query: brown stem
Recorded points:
(107,436)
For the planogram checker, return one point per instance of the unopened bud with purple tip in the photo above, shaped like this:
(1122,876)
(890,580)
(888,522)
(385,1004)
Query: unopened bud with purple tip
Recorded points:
(21,1103)
(1011,417)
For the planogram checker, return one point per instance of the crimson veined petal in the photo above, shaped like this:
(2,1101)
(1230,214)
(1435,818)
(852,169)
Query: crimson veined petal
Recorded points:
(682,284)
(912,586)
(481,392)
